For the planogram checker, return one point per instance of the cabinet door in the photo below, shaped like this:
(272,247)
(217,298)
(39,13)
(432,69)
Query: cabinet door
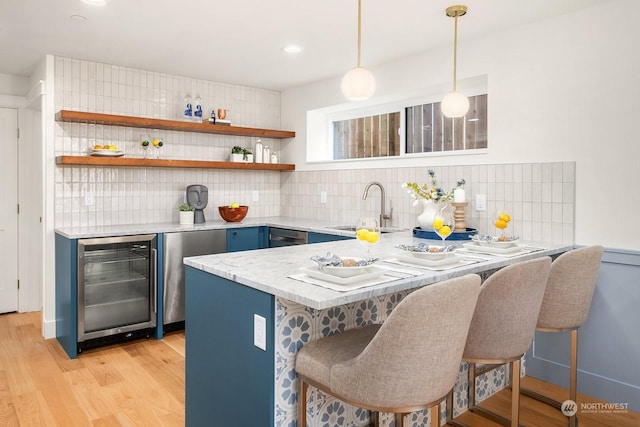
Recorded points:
(245,239)
(322,237)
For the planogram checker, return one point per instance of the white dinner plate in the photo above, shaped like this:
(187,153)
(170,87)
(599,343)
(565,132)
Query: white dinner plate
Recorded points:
(373,272)
(433,256)
(475,246)
(496,244)
(106,153)
(429,262)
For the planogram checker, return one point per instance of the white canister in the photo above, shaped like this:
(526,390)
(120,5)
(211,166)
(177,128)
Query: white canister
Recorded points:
(258,151)
(274,157)
(266,155)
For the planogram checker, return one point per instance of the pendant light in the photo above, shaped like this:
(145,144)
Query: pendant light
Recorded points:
(455,104)
(358,84)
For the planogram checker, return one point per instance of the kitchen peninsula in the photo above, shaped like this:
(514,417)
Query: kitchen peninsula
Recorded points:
(247,318)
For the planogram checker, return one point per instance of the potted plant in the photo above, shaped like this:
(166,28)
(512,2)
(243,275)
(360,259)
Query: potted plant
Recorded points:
(241,155)
(186,214)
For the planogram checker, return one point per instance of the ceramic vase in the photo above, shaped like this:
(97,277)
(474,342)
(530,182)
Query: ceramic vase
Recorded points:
(429,211)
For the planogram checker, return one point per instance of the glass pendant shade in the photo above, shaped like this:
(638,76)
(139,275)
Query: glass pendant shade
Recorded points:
(358,84)
(454,104)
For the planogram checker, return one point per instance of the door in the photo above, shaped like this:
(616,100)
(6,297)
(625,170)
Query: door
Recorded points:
(8,210)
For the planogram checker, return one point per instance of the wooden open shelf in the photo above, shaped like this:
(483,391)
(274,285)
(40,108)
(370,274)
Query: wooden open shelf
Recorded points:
(168,163)
(142,122)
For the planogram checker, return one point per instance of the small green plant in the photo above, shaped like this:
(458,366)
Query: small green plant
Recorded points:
(240,150)
(185,207)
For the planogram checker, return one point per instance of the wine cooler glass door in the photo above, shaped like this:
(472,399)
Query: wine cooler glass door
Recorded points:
(117,285)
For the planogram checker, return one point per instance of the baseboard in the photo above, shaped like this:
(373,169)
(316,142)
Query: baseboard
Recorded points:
(48,328)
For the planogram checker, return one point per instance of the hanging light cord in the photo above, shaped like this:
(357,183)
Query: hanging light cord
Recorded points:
(455,50)
(359,29)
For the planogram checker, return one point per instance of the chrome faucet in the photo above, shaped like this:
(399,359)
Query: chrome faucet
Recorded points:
(383,216)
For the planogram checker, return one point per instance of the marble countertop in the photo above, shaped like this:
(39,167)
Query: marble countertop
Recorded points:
(268,269)
(172,227)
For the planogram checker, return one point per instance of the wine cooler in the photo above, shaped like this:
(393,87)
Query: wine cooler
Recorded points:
(117,288)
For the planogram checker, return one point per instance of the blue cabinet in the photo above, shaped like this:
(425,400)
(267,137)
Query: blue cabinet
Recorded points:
(322,237)
(228,380)
(67,294)
(246,239)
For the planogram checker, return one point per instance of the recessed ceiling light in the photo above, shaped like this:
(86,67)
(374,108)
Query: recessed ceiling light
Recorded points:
(78,18)
(95,2)
(292,49)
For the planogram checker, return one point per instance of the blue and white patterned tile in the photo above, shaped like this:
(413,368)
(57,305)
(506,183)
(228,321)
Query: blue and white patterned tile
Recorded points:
(332,321)
(367,312)
(297,325)
(295,330)
(418,419)
(359,416)
(333,413)
(390,301)
(461,390)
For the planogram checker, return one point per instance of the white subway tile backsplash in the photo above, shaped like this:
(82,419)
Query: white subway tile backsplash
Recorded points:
(135,195)
(537,214)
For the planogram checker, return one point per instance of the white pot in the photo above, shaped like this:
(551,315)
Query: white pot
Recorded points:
(239,158)
(186,218)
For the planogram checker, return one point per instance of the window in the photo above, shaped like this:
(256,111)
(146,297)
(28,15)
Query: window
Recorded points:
(396,130)
(364,137)
(428,131)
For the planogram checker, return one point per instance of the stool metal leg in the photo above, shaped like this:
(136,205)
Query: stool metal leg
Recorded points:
(302,404)
(435,415)
(515,402)
(472,385)
(573,375)
(573,382)
(515,393)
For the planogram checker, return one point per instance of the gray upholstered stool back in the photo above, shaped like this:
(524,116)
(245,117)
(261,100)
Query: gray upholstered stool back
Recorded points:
(507,311)
(415,356)
(572,279)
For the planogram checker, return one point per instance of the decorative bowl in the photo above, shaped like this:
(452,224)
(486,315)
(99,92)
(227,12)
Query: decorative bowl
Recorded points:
(346,271)
(434,256)
(495,241)
(233,214)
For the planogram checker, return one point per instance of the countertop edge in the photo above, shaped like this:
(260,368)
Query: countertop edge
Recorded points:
(291,223)
(225,266)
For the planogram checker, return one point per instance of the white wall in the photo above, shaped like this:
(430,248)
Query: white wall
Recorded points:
(563,89)
(12,85)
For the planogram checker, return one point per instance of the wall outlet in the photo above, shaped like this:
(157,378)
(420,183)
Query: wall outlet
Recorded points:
(255,196)
(481,202)
(88,198)
(323,197)
(260,332)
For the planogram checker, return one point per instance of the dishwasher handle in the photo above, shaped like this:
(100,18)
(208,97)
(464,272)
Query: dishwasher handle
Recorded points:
(285,237)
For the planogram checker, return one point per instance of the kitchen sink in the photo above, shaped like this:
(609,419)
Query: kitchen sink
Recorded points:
(353,228)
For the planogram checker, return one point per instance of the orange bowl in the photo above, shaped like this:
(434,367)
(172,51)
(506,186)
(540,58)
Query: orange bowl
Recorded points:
(233,214)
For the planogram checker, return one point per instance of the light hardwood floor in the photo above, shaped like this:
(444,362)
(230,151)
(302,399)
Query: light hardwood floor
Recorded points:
(141,383)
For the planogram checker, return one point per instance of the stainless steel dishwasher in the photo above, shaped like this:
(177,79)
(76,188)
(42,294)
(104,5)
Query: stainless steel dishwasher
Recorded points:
(177,246)
(285,237)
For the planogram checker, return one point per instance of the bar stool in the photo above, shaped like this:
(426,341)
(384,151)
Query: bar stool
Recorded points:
(565,307)
(502,329)
(408,363)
